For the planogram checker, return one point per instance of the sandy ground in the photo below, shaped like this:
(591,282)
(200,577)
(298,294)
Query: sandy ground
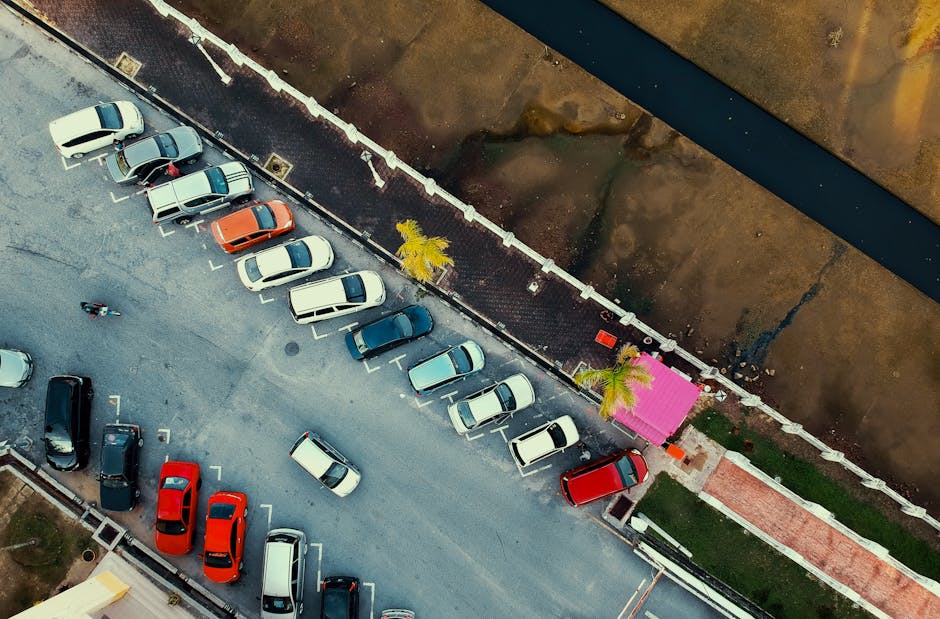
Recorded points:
(622,201)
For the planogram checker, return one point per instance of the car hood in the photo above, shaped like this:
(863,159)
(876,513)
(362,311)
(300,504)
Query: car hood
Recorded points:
(14,367)
(119,499)
(349,483)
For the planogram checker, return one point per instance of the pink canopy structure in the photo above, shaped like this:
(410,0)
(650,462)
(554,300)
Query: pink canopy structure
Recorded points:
(661,406)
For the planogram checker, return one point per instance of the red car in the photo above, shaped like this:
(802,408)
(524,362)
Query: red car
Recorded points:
(177,498)
(226,517)
(252,225)
(603,477)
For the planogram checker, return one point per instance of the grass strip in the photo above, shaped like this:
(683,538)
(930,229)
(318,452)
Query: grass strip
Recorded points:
(809,482)
(754,569)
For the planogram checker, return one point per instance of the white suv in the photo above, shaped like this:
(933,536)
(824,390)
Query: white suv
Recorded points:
(282,584)
(543,441)
(200,192)
(326,463)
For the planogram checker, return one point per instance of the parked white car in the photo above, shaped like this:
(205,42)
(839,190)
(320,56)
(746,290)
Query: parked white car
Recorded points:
(200,192)
(98,126)
(326,463)
(336,296)
(285,263)
(494,403)
(544,441)
(16,367)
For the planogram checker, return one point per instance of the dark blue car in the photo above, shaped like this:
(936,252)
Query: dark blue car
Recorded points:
(395,329)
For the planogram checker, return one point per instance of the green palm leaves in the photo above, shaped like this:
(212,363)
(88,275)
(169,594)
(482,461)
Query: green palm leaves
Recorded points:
(618,381)
(421,255)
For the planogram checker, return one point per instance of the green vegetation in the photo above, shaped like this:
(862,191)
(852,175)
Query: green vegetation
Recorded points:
(421,256)
(809,482)
(745,563)
(617,381)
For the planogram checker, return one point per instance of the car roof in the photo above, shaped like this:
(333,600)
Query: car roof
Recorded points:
(312,458)
(239,223)
(278,556)
(538,442)
(75,124)
(433,370)
(277,259)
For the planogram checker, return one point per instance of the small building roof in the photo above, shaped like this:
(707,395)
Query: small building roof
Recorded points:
(662,406)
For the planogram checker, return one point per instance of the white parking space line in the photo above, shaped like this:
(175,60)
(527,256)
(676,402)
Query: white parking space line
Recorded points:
(67,166)
(449,396)
(632,597)
(513,360)
(368,369)
(165,432)
(650,615)
(317,336)
(475,437)
(501,433)
(397,361)
(263,300)
(215,466)
(420,405)
(116,200)
(164,233)
(270,509)
(348,327)
(214,267)
(195,225)
(115,401)
(371,585)
(538,470)
(319,559)
(166,458)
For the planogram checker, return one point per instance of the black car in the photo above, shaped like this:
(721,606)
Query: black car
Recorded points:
(68,414)
(395,329)
(340,598)
(120,459)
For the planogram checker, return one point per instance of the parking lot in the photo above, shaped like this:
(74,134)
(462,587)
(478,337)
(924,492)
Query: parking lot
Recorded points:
(450,526)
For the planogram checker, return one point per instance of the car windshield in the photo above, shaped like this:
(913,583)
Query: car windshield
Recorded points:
(505,397)
(109,116)
(167,146)
(217,181)
(59,444)
(272,604)
(334,475)
(171,527)
(627,471)
(558,435)
(355,289)
(360,342)
(121,161)
(218,559)
(175,483)
(460,359)
(222,511)
(466,415)
(251,269)
(114,481)
(299,254)
(264,216)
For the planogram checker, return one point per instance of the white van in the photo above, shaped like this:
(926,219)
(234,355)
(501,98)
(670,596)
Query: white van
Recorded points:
(282,577)
(336,296)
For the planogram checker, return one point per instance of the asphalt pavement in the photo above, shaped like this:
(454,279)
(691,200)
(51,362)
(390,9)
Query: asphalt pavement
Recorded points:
(221,376)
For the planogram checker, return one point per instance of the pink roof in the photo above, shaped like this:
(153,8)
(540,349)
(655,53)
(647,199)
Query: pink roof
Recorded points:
(662,406)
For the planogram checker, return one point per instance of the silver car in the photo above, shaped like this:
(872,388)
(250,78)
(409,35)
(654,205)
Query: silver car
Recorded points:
(16,367)
(144,160)
(494,403)
(282,574)
(200,192)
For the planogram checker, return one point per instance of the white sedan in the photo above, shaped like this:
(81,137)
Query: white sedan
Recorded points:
(285,263)
(543,441)
(95,127)
(16,367)
(494,403)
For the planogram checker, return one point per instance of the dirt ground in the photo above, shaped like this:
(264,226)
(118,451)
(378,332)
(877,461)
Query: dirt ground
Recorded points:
(25,582)
(649,218)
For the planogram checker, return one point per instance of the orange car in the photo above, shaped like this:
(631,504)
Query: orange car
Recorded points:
(226,517)
(250,226)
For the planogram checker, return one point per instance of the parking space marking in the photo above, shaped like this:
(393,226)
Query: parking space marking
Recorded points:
(166,458)
(397,361)
(650,615)
(513,360)
(116,200)
(632,597)
(263,300)
(267,506)
(475,437)
(215,466)
(67,166)
(347,327)
(214,267)
(195,225)
(115,401)
(371,585)
(538,470)
(449,396)
(368,369)
(319,559)
(166,432)
(164,233)
(420,405)
(315,335)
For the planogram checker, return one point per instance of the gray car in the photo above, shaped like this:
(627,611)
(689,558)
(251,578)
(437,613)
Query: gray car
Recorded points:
(146,159)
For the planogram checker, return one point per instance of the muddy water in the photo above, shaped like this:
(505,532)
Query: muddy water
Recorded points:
(619,198)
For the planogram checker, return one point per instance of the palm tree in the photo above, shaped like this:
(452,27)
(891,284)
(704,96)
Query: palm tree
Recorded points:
(420,255)
(618,381)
